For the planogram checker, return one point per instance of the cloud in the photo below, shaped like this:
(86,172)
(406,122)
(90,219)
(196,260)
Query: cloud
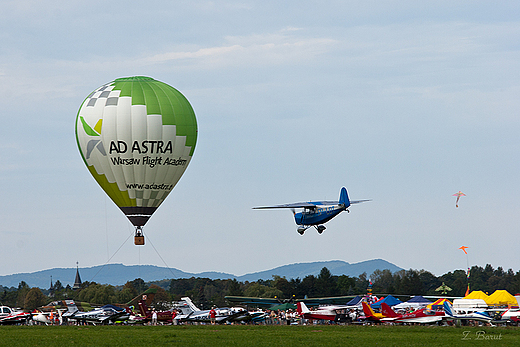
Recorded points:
(254,50)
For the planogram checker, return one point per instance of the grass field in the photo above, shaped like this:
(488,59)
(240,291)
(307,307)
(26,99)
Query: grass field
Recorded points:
(257,335)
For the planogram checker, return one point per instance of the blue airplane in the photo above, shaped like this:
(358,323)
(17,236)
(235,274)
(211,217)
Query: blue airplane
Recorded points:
(316,213)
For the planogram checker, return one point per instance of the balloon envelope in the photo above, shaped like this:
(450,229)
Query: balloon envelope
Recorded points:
(137,136)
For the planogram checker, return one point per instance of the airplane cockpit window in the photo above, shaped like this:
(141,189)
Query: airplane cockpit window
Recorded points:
(6,310)
(429,312)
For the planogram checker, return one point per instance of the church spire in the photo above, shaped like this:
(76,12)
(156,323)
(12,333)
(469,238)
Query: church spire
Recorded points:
(77,281)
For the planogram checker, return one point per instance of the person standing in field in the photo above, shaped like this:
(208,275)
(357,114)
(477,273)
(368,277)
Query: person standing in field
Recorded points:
(154,317)
(212,315)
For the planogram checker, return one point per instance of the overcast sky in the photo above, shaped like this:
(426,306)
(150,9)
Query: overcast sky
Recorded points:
(401,102)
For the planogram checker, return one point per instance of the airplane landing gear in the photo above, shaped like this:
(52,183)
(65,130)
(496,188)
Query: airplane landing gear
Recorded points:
(320,228)
(301,229)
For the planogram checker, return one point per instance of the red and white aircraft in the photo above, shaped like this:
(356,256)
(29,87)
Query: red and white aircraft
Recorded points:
(10,316)
(304,312)
(423,315)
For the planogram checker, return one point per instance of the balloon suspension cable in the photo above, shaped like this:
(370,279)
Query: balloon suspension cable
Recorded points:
(130,235)
(106,227)
(160,256)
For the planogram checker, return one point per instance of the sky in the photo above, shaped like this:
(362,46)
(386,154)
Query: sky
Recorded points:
(402,102)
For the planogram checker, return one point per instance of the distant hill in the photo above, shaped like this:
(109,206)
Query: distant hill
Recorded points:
(336,267)
(119,274)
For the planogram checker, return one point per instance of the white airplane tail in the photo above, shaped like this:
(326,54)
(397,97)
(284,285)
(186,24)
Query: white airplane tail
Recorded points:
(302,308)
(190,304)
(71,305)
(448,309)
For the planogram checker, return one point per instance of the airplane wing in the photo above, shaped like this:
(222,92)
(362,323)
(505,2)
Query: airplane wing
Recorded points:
(17,318)
(421,320)
(267,302)
(311,205)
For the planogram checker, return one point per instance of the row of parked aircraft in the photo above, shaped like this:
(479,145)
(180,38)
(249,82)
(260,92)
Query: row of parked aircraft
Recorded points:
(186,311)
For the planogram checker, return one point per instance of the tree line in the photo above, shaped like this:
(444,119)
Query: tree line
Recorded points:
(206,292)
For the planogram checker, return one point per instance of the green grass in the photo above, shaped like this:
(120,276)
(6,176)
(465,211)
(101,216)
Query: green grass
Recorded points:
(243,335)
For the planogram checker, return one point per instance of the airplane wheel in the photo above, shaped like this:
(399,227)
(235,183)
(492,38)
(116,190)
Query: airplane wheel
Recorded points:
(300,232)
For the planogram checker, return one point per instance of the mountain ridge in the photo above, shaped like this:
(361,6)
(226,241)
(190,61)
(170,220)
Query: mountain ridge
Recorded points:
(119,274)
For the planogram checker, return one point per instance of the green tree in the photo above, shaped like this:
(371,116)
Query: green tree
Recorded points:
(308,286)
(234,288)
(325,283)
(161,299)
(34,299)
(23,289)
(345,285)
(139,285)
(383,281)
(262,291)
(284,286)
(361,284)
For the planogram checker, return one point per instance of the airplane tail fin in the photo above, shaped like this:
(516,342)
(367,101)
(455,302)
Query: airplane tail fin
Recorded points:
(368,310)
(71,305)
(143,307)
(190,304)
(448,309)
(301,308)
(387,311)
(343,197)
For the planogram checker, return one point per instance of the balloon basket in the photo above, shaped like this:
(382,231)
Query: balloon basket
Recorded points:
(138,238)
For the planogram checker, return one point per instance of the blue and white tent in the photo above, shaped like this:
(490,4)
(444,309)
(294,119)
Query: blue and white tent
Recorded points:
(390,301)
(355,301)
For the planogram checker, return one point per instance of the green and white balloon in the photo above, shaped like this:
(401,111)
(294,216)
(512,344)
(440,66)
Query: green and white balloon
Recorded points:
(137,136)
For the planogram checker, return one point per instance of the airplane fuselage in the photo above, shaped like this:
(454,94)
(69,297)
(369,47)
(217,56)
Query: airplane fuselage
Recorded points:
(422,316)
(320,215)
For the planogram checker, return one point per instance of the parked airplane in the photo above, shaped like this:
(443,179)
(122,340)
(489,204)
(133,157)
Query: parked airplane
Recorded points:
(324,313)
(422,316)
(146,313)
(316,213)
(194,314)
(48,317)
(10,316)
(103,315)
(480,315)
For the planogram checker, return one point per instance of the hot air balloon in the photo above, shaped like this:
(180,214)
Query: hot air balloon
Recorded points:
(137,136)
